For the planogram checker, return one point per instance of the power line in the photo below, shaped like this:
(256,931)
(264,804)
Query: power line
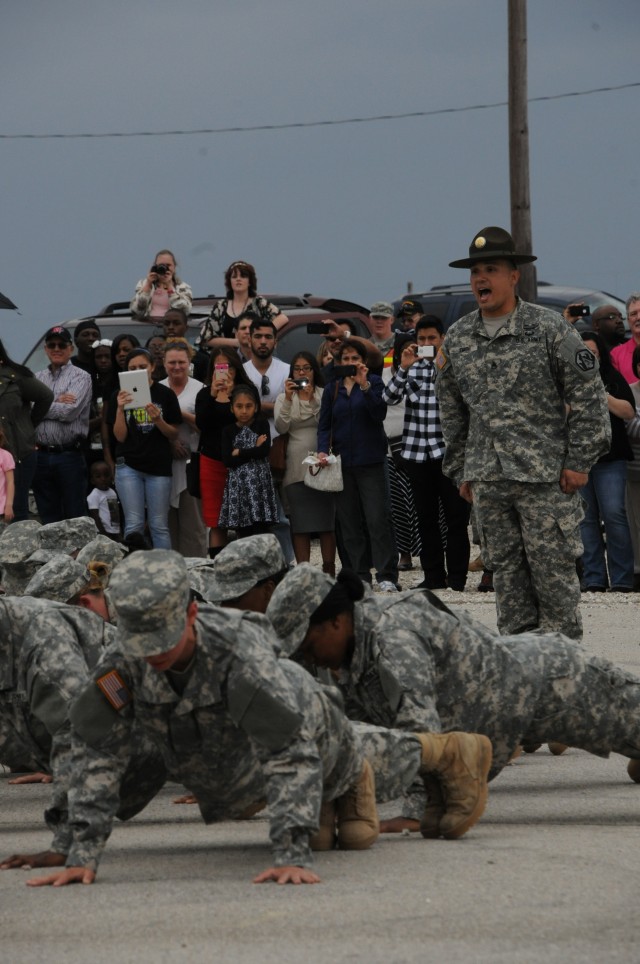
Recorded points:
(319,123)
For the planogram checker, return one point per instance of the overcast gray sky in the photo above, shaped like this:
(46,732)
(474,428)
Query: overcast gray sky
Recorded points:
(353,210)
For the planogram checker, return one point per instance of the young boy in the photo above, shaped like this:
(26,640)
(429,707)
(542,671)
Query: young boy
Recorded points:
(103,503)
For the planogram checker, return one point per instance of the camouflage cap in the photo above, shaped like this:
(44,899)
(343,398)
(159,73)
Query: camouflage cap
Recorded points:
(242,565)
(68,535)
(104,549)
(16,576)
(59,579)
(293,603)
(381,309)
(150,591)
(18,541)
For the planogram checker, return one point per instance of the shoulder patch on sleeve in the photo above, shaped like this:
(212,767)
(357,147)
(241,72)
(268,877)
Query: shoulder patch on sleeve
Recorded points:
(575,353)
(114,689)
(441,360)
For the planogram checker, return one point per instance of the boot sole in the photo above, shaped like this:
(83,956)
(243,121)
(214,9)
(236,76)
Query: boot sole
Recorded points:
(461,828)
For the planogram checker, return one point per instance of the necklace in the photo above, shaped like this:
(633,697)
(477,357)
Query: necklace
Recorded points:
(236,314)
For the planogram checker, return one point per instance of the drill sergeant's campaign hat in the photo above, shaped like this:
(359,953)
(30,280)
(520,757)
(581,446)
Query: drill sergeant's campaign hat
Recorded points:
(150,591)
(242,565)
(489,244)
(293,603)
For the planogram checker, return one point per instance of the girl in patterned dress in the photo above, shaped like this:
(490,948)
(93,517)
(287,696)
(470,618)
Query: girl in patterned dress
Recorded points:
(249,501)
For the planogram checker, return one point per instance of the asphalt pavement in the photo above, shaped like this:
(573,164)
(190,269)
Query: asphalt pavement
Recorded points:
(550,874)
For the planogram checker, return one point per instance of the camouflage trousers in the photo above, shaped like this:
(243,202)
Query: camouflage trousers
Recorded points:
(395,757)
(530,539)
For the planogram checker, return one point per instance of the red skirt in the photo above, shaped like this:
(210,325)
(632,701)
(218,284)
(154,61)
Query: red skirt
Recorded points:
(213,476)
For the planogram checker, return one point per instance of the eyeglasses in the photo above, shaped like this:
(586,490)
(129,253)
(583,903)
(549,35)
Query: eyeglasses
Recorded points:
(334,338)
(57,345)
(302,368)
(610,317)
(264,385)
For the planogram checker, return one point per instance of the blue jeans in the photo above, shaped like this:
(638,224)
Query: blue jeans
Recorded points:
(60,485)
(134,490)
(604,498)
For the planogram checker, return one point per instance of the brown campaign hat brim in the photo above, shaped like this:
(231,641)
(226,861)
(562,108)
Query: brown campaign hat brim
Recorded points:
(493,256)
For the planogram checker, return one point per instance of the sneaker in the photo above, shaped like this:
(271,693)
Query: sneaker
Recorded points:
(387,586)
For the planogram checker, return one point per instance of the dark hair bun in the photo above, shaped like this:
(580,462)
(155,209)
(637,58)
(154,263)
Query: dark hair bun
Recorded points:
(351,583)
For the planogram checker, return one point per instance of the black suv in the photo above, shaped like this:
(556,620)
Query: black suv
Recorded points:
(292,337)
(450,302)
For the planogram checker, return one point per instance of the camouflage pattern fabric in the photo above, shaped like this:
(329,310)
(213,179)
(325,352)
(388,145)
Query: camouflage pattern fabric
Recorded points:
(418,668)
(59,579)
(530,539)
(240,726)
(521,407)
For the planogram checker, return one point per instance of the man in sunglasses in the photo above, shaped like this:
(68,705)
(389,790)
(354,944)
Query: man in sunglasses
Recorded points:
(60,481)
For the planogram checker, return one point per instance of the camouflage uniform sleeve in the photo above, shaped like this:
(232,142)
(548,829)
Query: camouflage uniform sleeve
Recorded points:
(454,416)
(588,422)
(101,721)
(407,677)
(269,708)
(55,674)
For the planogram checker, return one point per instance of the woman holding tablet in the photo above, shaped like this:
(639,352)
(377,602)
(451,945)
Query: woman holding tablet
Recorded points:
(143,452)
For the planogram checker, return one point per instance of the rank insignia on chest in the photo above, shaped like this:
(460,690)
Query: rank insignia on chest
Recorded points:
(530,332)
(114,689)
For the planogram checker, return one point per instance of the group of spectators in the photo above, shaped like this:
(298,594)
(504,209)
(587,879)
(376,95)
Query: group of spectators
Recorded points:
(198,458)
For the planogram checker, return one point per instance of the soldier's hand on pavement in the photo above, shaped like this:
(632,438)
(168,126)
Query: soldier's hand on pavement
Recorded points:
(32,778)
(46,858)
(572,481)
(287,875)
(186,798)
(71,875)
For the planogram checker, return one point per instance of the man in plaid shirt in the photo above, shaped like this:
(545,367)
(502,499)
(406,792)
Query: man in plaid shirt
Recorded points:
(422,454)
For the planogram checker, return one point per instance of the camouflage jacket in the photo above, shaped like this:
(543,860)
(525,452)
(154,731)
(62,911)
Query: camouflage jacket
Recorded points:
(61,646)
(417,666)
(523,405)
(242,729)
(24,740)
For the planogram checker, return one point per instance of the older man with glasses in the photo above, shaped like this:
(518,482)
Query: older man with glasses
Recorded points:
(622,356)
(60,481)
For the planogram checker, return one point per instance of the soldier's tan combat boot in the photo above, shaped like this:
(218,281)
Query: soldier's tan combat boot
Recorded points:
(434,810)
(351,821)
(557,748)
(461,761)
(633,769)
(358,824)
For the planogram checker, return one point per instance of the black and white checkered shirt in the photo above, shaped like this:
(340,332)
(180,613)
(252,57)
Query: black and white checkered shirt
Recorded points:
(422,433)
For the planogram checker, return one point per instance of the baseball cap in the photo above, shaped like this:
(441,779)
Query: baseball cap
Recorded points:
(381,309)
(242,565)
(293,603)
(409,307)
(150,592)
(63,334)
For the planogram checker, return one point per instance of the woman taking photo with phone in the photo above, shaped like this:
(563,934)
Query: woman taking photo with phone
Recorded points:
(296,413)
(143,452)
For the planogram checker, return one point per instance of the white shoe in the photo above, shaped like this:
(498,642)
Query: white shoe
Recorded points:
(387,586)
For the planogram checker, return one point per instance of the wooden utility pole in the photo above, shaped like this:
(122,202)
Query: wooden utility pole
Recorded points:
(519,145)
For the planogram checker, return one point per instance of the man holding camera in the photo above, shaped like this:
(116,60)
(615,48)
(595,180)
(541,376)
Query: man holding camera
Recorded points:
(524,417)
(422,454)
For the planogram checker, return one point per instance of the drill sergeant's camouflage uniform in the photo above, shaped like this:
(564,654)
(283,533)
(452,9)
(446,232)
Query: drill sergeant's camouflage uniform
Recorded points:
(503,406)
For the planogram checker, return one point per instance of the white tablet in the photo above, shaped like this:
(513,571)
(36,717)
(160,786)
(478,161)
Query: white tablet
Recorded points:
(136,383)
